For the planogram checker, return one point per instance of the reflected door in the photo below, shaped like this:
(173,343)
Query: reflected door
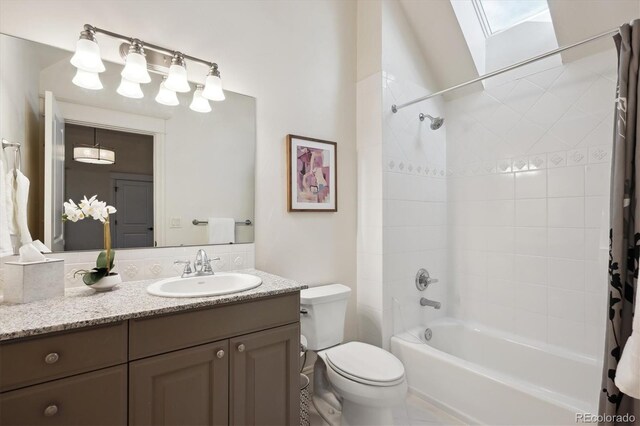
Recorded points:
(53,173)
(133,222)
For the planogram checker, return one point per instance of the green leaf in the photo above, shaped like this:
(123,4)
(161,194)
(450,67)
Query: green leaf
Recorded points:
(101,263)
(94,276)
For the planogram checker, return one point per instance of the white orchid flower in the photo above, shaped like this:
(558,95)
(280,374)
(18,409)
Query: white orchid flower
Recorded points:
(72,212)
(85,204)
(93,208)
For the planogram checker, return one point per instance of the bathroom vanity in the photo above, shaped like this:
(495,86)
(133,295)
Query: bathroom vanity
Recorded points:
(126,357)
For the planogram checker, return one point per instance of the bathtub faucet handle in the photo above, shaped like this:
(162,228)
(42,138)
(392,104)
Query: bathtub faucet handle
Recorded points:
(423,279)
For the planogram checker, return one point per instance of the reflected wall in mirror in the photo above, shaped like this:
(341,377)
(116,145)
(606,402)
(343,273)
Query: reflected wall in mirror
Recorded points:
(172,164)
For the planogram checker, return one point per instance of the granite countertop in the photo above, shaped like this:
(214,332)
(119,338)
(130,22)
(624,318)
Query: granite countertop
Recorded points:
(83,306)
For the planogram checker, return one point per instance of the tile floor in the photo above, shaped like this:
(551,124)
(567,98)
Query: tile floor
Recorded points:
(415,412)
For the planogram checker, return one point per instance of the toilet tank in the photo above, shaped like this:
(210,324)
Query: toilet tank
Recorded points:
(323,322)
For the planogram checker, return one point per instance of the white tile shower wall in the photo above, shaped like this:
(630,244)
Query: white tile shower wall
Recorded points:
(528,169)
(415,208)
(143,264)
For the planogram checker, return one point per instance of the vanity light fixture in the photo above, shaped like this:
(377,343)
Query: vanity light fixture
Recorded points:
(199,103)
(136,70)
(87,80)
(166,96)
(87,55)
(213,85)
(130,89)
(177,79)
(94,154)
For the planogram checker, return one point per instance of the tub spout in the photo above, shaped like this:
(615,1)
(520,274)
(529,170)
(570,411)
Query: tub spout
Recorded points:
(426,302)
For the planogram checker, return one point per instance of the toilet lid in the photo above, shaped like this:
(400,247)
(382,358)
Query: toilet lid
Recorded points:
(365,363)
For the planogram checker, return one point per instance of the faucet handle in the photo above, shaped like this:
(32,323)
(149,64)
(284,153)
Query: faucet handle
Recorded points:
(187,266)
(423,279)
(207,264)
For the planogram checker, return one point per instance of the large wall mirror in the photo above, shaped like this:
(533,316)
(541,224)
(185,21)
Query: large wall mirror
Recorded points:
(173,165)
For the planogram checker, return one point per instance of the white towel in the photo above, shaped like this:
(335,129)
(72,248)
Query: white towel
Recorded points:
(6,248)
(222,230)
(628,371)
(18,190)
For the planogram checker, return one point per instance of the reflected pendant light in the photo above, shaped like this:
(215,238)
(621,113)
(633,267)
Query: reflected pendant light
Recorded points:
(94,154)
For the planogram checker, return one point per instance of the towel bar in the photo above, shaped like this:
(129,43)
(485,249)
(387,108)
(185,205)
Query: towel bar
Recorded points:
(204,222)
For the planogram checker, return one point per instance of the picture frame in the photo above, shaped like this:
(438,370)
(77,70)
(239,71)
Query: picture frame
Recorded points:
(312,178)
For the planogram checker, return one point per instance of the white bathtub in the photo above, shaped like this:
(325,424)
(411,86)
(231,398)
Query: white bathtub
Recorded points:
(485,376)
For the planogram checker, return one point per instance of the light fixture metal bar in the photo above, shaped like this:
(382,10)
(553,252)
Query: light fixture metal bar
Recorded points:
(395,108)
(146,45)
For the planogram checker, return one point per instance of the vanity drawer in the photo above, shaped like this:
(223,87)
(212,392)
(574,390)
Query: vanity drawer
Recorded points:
(155,335)
(30,361)
(97,398)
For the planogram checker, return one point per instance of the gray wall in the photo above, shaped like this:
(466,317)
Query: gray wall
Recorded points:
(134,155)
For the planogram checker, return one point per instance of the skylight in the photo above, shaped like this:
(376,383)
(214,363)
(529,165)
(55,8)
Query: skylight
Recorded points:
(498,15)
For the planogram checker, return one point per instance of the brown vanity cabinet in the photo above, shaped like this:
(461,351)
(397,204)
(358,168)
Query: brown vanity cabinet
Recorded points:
(264,377)
(188,387)
(232,364)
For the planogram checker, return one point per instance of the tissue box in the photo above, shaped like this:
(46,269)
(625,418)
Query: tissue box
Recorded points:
(30,281)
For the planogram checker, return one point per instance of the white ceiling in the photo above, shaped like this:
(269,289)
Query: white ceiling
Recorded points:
(444,48)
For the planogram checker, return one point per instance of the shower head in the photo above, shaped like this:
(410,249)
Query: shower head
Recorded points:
(436,122)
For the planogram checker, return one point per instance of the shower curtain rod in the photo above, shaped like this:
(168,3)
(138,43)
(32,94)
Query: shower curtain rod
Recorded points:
(395,108)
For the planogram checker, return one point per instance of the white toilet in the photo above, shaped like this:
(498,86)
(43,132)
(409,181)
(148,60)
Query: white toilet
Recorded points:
(354,383)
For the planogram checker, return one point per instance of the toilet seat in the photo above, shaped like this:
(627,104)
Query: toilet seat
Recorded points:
(365,364)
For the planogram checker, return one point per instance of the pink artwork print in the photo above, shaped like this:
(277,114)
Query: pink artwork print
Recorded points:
(313,174)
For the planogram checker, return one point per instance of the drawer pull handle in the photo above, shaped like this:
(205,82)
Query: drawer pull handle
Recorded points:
(52,358)
(220,353)
(241,347)
(51,410)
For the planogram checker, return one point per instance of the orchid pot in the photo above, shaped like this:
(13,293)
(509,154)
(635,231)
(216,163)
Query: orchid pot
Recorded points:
(100,278)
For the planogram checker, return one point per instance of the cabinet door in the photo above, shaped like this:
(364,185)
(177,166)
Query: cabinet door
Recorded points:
(186,387)
(265,384)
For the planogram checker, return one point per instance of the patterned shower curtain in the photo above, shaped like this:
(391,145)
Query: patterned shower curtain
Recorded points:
(624,248)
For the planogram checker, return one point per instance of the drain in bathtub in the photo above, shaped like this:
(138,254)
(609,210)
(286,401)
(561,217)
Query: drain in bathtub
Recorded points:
(427,334)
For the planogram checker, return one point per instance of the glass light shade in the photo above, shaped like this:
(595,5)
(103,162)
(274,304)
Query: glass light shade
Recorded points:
(166,96)
(130,89)
(94,154)
(213,88)
(177,79)
(135,68)
(199,103)
(87,56)
(87,80)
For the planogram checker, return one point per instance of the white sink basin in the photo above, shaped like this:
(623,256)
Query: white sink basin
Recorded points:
(207,285)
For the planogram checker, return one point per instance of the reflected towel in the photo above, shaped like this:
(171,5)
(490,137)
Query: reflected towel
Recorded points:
(222,230)
(628,371)
(18,190)
(6,248)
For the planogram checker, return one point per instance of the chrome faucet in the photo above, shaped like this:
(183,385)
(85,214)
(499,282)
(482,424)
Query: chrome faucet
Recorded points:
(201,266)
(426,302)
(424,280)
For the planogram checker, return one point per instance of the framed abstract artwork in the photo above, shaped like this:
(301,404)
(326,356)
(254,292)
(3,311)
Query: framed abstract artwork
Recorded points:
(312,175)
